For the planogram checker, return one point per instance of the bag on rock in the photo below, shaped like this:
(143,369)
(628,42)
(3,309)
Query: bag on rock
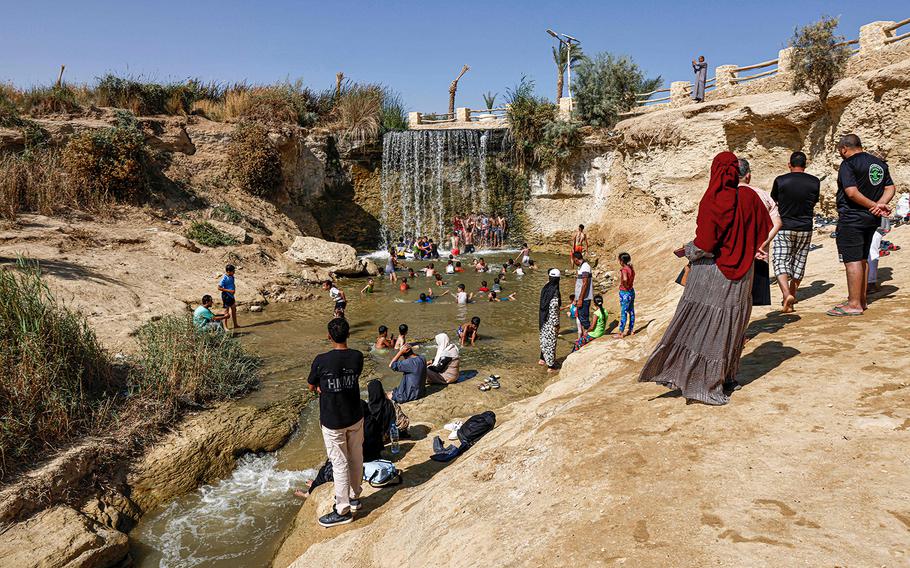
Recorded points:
(475,427)
(380,473)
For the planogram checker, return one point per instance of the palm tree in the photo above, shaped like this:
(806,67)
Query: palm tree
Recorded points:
(454,87)
(489,99)
(560,57)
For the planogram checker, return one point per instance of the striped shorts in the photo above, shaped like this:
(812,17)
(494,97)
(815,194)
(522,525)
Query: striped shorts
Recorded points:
(790,251)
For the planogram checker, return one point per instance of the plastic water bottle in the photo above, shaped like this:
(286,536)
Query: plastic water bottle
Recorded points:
(393,435)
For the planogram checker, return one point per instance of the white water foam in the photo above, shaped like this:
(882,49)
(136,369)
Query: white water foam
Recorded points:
(226,520)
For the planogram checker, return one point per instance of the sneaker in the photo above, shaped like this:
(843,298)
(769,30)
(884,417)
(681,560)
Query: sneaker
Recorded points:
(454,435)
(452,426)
(731,386)
(355,505)
(334,519)
(437,444)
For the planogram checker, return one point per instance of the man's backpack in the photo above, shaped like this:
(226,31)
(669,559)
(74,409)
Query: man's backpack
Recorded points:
(380,473)
(475,427)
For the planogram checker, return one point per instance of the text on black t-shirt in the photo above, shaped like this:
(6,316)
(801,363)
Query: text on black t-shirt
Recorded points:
(337,374)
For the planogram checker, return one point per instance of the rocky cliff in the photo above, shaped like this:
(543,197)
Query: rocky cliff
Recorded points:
(655,164)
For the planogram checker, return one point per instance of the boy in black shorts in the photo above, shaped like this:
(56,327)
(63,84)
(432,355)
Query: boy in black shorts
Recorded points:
(228,290)
(864,189)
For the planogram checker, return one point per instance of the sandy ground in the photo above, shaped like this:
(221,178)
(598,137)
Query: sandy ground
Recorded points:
(807,466)
(123,270)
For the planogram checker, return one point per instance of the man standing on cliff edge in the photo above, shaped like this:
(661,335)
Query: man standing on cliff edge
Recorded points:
(701,75)
(864,189)
(335,375)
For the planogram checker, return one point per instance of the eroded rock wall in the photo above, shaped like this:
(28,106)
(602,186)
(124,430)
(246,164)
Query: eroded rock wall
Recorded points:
(658,163)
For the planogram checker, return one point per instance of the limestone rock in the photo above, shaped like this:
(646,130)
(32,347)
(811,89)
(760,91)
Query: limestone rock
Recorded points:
(238,233)
(168,135)
(62,537)
(891,77)
(167,240)
(319,258)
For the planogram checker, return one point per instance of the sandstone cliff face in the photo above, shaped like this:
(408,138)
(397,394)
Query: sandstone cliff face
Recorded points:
(658,163)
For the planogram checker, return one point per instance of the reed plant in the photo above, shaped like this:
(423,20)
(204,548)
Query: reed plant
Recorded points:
(57,381)
(208,235)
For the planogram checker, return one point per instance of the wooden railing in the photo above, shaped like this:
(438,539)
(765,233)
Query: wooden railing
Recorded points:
(486,114)
(891,29)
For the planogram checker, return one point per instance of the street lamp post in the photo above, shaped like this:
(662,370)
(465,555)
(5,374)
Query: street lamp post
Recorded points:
(568,43)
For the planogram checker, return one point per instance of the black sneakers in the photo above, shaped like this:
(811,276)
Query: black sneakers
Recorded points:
(355,505)
(334,519)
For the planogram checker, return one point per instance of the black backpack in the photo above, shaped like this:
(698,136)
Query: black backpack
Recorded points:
(475,427)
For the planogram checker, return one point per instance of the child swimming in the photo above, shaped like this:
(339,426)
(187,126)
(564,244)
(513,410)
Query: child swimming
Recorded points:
(429,271)
(495,298)
(462,297)
(402,336)
(458,267)
(439,281)
(383,341)
(483,286)
(368,289)
(450,267)
(404,285)
(468,331)
(496,286)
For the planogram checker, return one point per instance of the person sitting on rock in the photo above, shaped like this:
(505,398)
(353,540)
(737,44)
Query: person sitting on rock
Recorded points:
(204,319)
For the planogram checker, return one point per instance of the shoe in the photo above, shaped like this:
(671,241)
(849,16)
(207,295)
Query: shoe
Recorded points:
(731,386)
(355,505)
(334,519)
(452,426)
(437,444)
(494,384)
(454,435)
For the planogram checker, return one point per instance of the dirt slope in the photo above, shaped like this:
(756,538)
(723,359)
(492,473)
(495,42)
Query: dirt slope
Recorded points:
(807,466)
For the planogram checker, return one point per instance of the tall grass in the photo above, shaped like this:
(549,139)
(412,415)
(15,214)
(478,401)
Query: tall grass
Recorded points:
(34,181)
(56,381)
(179,364)
(58,99)
(208,235)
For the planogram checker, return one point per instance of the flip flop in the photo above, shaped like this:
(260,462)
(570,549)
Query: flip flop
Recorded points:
(839,312)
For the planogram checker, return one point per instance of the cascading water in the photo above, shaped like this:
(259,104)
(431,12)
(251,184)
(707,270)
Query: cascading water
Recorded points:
(429,175)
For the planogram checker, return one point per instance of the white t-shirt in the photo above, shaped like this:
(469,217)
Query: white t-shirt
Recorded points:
(519,271)
(335,293)
(450,269)
(461,297)
(585,268)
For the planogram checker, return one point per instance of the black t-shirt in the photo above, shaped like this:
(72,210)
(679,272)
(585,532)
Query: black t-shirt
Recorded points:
(868,174)
(796,195)
(337,373)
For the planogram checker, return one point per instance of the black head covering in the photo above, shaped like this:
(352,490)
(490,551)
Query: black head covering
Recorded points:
(378,416)
(550,290)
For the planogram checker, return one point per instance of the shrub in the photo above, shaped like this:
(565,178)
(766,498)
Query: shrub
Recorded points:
(275,104)
(178,363)
(225,212)
(561,140)
(528,116)
(253,160)
(605,86)
(56,381)
(109,163)
(34,181)
(9,112)
(393,116)
(818,61)
(59,99)
(357,112)
(207,234)
(145,97)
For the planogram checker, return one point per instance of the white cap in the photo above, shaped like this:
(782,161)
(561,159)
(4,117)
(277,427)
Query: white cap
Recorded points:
(554,273)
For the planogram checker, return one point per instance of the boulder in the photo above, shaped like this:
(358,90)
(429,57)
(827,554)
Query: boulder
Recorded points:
(319,259)
(62,537)
(238,233)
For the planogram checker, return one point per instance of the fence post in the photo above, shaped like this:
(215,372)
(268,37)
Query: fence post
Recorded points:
(680,93)
(462,115)
(414,119)
(872,36)
(725,75)
(565,108)
(785,61)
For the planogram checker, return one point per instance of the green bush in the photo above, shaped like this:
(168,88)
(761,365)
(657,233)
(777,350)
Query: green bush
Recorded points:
(207,234)
(605,86)
(818,61)
(178,363)
(56,381)
(9,112)
(561,140)
(109,163)
(253,160)
(393,116)
(528,117)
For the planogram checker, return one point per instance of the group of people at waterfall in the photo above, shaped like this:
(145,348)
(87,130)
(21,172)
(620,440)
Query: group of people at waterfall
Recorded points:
(478,231)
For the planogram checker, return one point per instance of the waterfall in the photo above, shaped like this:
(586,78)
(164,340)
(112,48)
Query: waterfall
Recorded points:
(430,175)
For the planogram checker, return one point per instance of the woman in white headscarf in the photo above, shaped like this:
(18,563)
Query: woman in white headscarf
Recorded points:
(444,370)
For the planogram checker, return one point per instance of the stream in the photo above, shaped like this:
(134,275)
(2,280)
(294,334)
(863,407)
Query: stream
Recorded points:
(241,520)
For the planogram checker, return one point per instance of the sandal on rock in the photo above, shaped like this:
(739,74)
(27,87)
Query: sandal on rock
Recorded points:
(839,312)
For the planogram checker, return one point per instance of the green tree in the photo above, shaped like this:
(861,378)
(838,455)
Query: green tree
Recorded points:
(489,99)
(606,86)
(819,59)
(561,59)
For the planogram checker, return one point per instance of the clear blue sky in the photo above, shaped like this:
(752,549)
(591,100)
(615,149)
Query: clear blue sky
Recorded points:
(414,47)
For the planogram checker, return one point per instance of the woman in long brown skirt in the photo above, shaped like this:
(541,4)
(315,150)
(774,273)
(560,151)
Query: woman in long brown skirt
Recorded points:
(700,350)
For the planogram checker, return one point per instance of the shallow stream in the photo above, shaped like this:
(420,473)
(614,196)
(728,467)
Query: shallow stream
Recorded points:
(241,520)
